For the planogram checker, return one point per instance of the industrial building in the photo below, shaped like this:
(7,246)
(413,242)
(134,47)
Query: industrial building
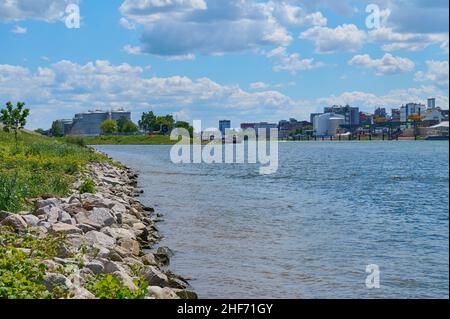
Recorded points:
(328,124)
(88,124)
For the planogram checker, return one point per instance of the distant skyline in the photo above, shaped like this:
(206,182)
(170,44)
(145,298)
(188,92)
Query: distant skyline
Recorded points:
(242,60)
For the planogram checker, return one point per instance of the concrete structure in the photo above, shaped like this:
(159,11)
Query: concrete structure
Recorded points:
(328,124)
(351,114)
(312,116)
(395,115)
(223,126)
(88,124)
(432,103)
(433,115)
(411,109)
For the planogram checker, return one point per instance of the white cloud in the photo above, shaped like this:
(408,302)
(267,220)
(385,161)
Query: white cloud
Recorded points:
(19,30)
(127,24)
(283,61)
(387,65)
(343,38)
(65,87)
(132,50)
(437,73)
(395,41)
(259,86)
(212,27)
(46,10)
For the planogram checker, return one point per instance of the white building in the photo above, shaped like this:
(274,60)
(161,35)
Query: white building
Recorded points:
(433,115)
(432,103)
(411,109)
(328,124)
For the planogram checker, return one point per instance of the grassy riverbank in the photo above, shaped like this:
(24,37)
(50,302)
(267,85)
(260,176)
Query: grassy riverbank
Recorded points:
(40,165)
(129,140)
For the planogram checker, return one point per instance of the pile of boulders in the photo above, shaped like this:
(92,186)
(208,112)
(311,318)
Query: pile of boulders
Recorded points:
(110,232)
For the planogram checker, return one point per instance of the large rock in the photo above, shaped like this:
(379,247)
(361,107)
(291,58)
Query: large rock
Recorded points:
(82,294)
(52,202)
(95,266)
(52,281)
(31,220)
(162,293)
(149,260)
(126,280)
(101,239)
(65,229)
(155,277)
(98,218)
(16,222)
(119,233)
(130,245)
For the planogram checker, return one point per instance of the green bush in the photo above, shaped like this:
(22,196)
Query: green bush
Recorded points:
(21,267)
(77,140)
(88,186)
(110,287)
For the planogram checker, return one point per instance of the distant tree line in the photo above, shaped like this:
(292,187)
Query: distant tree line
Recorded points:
(151,123)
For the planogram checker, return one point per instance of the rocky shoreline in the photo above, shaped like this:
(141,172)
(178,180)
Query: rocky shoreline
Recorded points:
(109,232)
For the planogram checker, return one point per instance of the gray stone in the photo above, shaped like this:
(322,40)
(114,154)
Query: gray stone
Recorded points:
(31,220)
(16,222)
(48,202)
(65,229)
(4,214)
(130,245)
(149,260)
(119,233)
(101,239)
(65,218)
(162,293)
(53,280)
(112,267)
(95,266)
(82,294)
(155,277)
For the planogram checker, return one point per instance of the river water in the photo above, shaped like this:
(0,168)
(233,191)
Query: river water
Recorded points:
(311,229)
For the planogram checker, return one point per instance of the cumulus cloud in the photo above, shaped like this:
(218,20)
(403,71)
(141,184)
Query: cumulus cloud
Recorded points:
(395,41)
(343,38)
(387,65)
(45,10)
(132,50)
(19,30)
(437,72)
(214,27)
(65,87)
(283,61)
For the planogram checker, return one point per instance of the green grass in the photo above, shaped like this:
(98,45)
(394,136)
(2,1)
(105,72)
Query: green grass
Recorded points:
(130,140)
(40,166)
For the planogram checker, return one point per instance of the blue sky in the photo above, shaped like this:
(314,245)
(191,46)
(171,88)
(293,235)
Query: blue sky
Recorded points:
(244,60)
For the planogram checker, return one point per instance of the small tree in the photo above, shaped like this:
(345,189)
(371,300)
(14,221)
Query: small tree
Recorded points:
(39,131)
(14,119)
(148,121)
(108,127)
(130,127)
(56,129)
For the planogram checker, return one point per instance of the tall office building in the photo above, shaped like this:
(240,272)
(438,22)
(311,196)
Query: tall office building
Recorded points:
(223,126)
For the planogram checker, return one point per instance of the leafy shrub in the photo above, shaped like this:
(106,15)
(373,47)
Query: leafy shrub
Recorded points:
(88,186)
(21,267)
(20,276)
(110,287)
(77,140)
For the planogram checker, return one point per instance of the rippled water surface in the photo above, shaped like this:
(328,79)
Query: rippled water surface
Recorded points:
(310,230)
